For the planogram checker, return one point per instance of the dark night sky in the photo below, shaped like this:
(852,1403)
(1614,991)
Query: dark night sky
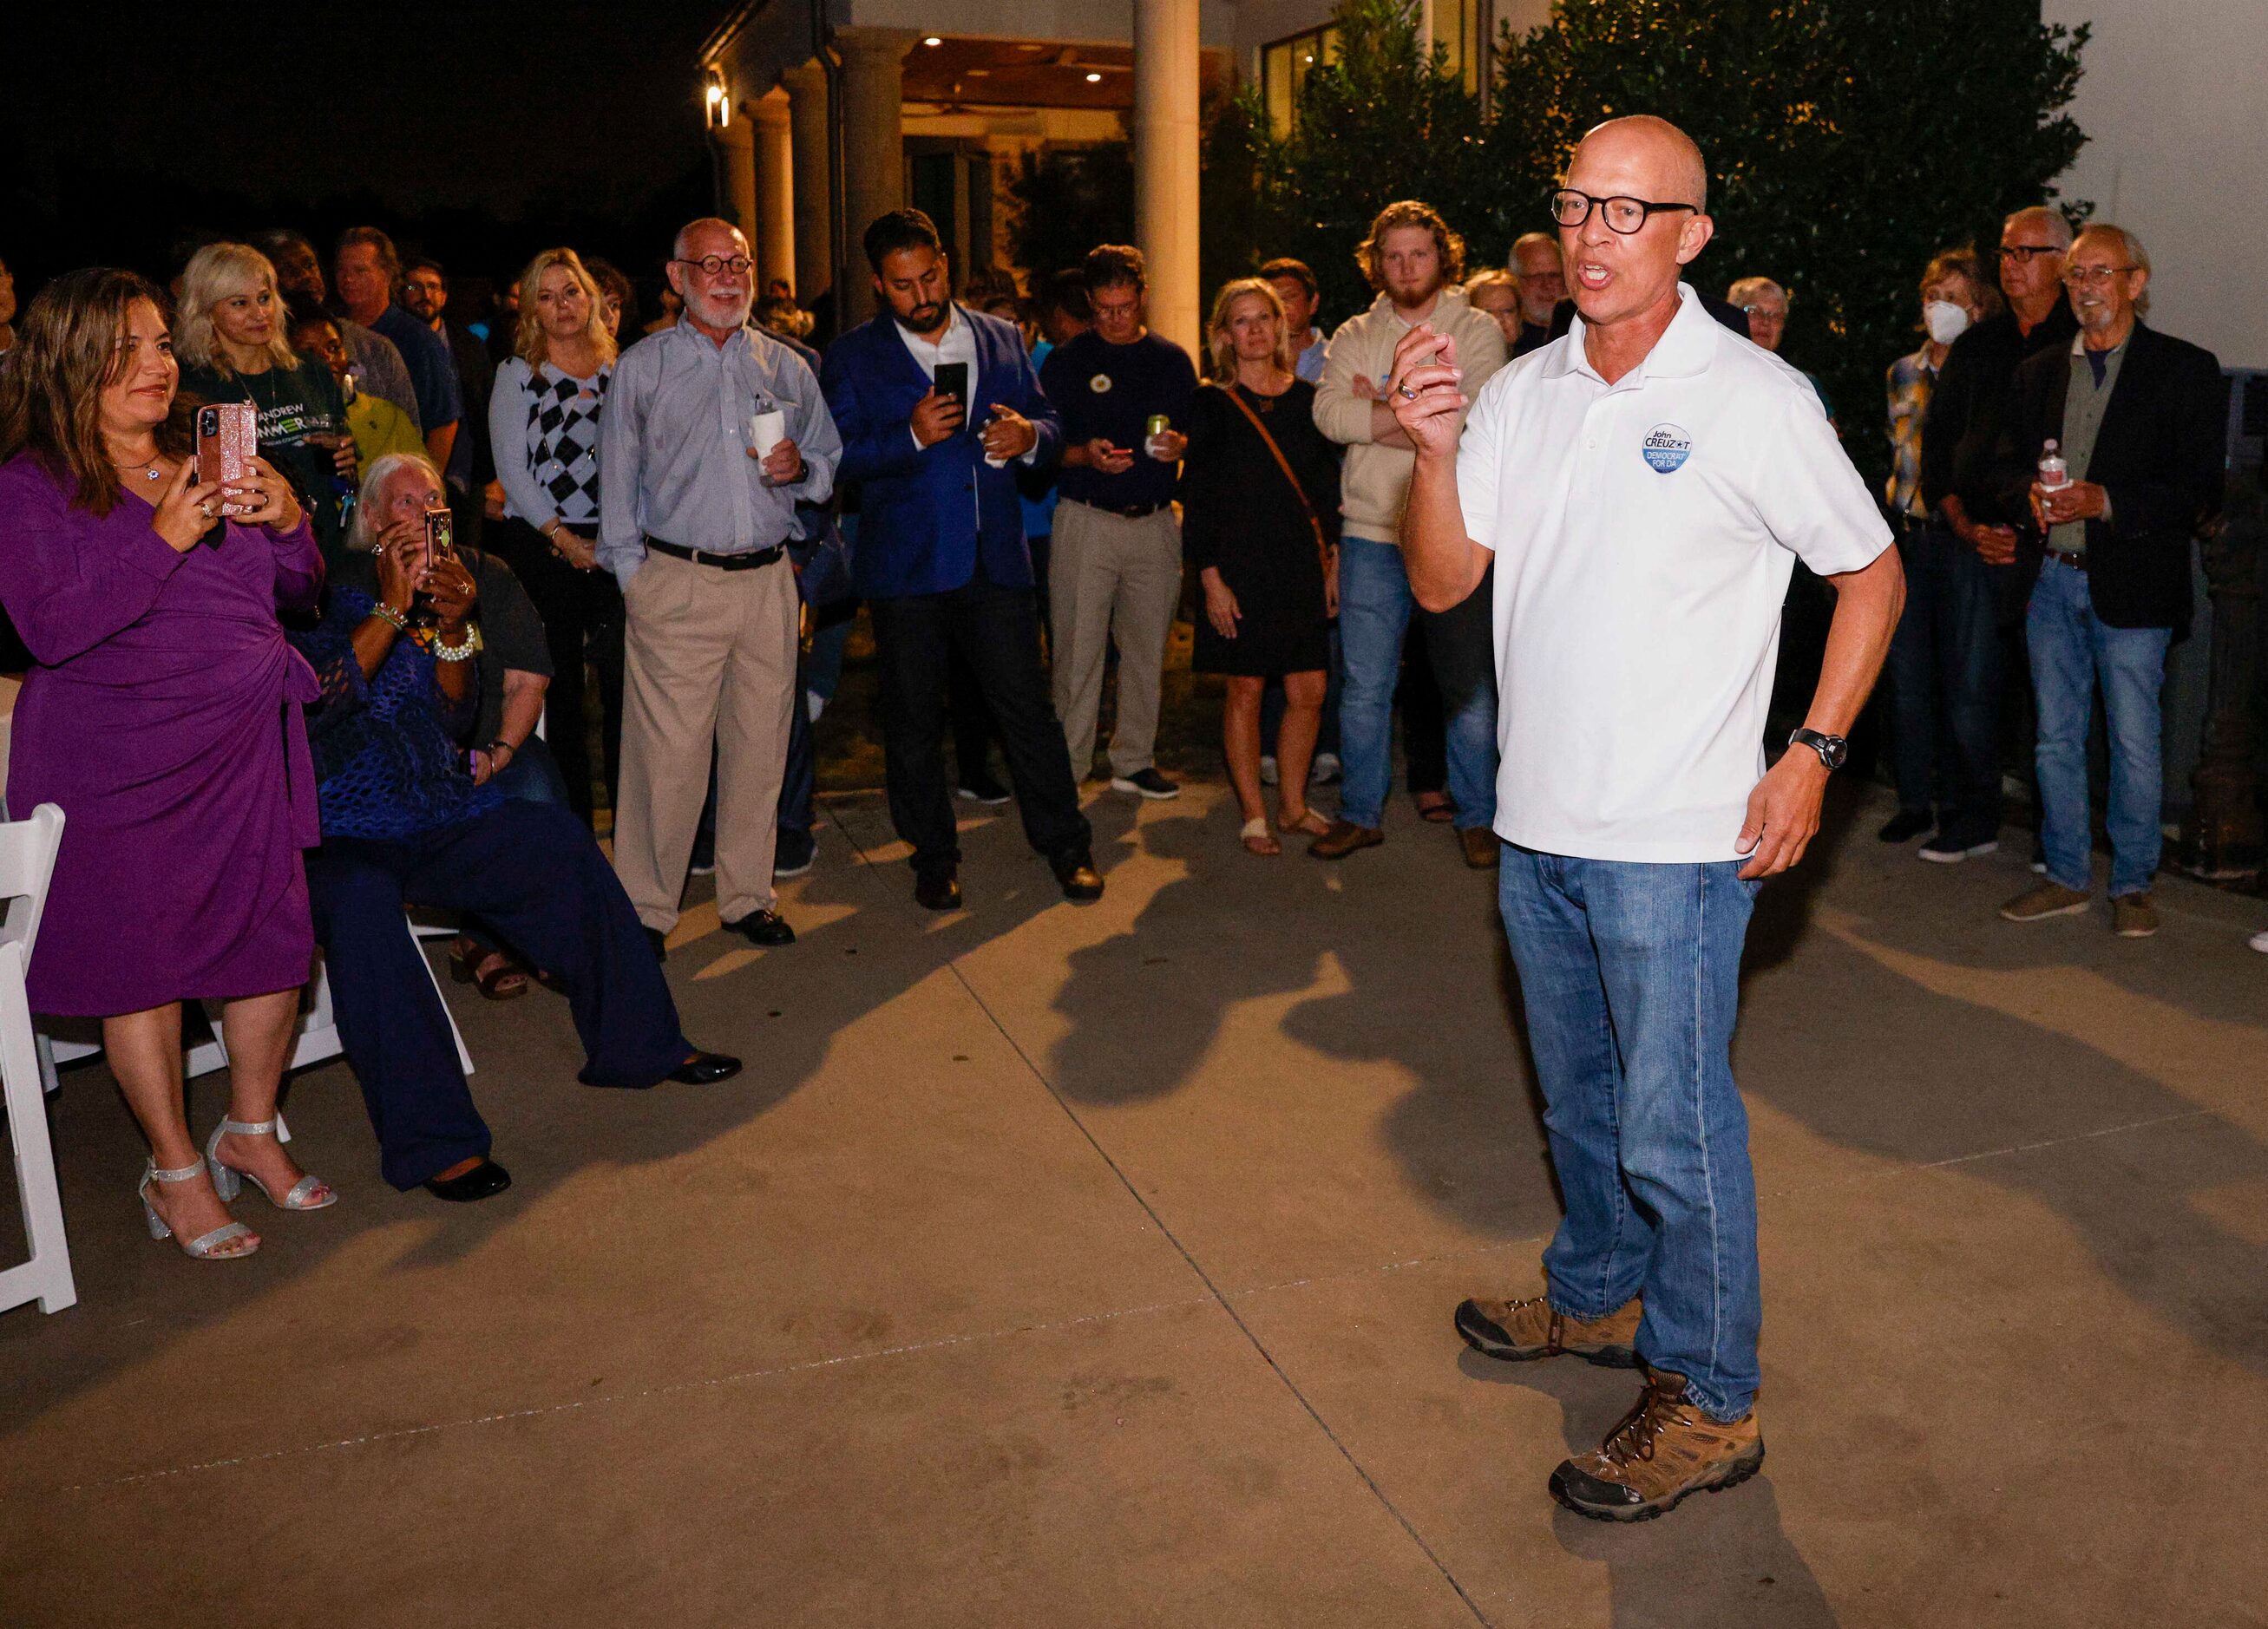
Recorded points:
(479,132)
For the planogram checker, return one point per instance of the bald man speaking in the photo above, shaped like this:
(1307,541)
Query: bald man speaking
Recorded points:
(1643,485)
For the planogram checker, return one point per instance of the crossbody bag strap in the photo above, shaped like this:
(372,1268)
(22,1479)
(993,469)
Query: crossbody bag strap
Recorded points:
(1314,521)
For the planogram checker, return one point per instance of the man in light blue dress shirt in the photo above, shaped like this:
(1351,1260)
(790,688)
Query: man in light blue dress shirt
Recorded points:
(697,503)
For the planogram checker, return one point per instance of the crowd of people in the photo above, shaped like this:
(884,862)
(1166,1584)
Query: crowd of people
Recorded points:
(444,538)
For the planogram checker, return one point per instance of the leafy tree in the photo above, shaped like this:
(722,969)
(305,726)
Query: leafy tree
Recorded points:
(1384,121)
(1847,141)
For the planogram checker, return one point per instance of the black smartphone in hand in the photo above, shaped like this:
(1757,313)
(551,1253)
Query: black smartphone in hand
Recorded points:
(952,380)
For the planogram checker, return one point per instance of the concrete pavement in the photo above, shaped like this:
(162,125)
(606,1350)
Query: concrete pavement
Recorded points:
(1055,1264)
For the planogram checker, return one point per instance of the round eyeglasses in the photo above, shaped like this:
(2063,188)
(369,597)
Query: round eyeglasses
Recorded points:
(2094,276)
(717,265)
(1624,216)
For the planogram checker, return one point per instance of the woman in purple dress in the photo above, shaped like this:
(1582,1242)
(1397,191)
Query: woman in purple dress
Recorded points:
(162,715)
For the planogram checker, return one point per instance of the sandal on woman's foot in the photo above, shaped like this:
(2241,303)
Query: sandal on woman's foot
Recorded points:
(1308,825)
(498,978)
(1257,839)
(308,1193)
(224,1242)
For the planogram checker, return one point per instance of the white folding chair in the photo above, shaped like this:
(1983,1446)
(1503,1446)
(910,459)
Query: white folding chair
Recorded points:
(28,860)
(318,1037)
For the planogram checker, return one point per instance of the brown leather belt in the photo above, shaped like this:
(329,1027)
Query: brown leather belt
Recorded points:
(2077,562)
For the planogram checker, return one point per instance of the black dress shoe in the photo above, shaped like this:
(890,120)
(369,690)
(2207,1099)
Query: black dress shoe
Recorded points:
(705,1069)
(766,927)
(937,891)
(659,940)
(484,1181)
(1081,882)
(1907,824)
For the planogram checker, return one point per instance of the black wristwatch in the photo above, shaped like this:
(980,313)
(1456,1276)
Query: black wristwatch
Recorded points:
(1832,750)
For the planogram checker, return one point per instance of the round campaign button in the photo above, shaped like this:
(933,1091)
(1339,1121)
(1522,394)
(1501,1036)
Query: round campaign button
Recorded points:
(1665,447)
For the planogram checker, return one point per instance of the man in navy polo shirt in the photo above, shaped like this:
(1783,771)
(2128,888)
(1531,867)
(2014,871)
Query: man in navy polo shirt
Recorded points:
(1116,574)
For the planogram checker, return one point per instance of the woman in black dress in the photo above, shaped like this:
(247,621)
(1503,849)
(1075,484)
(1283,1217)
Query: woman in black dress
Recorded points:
(1259,520)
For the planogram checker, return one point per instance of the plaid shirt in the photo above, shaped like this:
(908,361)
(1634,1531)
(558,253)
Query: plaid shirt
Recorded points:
(1910,379)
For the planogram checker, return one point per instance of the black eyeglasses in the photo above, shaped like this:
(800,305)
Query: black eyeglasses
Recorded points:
(2025,253)
(717,265)
(1624,216)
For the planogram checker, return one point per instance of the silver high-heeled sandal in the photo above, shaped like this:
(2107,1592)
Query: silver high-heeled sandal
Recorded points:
(211,1246)
(228,1181)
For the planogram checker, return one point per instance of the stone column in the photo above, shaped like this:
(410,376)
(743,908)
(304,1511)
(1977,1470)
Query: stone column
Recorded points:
(774,190)
(1165,163)
(873,145)
(808,152)
(733,150)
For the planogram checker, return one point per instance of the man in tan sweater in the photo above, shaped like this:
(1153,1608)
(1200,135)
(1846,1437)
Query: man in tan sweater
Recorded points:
(1414,261)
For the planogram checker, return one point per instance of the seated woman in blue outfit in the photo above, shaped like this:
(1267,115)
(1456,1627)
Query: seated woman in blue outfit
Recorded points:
(405,824)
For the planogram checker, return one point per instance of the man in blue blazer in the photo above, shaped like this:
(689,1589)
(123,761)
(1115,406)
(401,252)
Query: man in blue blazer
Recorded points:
(941,560)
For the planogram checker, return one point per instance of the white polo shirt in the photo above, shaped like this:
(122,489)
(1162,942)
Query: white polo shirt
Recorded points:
(1644,533)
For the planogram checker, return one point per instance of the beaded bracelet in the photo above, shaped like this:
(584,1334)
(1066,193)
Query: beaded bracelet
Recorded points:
(391,618)
(464,652)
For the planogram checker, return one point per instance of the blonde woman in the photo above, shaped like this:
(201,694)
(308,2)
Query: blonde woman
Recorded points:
(1260,511)
(544,423)
(231,337)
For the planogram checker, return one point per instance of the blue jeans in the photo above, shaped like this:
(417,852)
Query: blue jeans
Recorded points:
(1374,609)
(1945,697)
(2072,650)
(1631,975)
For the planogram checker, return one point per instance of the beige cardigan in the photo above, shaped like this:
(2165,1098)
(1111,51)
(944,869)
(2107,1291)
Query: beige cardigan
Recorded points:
(1374,481)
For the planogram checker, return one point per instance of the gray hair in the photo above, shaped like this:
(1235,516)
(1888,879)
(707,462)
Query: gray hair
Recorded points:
(2129,245)
(361,531)
(677,243)
(1747,288)
(2057,225)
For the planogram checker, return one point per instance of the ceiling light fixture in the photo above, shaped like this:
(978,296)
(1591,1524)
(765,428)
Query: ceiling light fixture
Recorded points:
(1095,78)
(933,40)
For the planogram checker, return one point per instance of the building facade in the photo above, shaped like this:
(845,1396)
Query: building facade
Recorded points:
(942,100)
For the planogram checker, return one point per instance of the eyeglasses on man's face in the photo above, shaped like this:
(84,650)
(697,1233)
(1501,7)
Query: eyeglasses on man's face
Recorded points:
(1624,216)
(717,265)
(2025,253)
(2091,276)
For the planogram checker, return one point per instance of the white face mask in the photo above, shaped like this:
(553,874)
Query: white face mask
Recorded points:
(1945,321)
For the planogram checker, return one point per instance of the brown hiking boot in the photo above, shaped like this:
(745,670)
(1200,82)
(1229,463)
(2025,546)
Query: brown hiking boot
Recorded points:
(2134,916)
(1344,838)
(2037,904)
(1664,1449)
(1521,1332)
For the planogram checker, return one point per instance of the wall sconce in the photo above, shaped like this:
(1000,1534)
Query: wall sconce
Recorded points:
(719,100)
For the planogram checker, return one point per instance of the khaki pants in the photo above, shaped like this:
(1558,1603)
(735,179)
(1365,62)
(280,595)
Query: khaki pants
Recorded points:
(711,657)
(1111,575)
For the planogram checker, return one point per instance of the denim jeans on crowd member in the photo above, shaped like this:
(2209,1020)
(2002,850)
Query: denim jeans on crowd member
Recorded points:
(1630,974)
(1374,611)
(2072,649)
(1945,689)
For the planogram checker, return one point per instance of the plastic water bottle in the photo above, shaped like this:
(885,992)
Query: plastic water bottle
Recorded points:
(2054,472)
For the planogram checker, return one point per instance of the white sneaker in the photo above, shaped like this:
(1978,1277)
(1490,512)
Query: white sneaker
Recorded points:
(2259,942)
(1267,771)
(1328,770)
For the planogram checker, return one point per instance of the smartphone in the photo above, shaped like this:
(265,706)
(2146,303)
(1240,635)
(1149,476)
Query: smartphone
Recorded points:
(228,439)
(440,535)
(952,380)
